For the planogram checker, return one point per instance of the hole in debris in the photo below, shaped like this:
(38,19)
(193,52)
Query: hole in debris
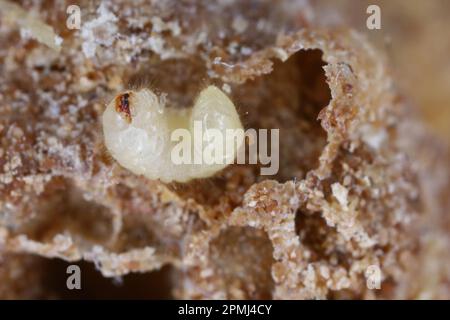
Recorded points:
(322,240)
(64,209)
(148,223)
(290,99)
(151,285)
(243,256)
(136,231)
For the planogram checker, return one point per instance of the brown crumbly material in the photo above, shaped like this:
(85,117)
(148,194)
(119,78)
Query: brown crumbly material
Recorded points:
(20,277)
(363,185)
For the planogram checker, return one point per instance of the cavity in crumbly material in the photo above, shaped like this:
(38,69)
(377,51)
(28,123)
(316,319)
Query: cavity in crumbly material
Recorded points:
(138,133)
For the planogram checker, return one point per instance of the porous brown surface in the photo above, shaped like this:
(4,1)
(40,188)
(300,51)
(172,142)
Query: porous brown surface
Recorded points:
(361,181)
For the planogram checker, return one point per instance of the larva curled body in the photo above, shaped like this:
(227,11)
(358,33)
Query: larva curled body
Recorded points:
(137,131)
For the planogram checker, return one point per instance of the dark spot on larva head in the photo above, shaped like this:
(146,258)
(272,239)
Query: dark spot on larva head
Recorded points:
(123,105)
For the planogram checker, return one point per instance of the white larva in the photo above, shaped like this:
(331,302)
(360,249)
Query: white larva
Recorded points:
(137,131)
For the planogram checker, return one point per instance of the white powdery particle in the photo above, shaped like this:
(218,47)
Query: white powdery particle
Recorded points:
(374,137)
(63,242)
(232,47)
(174,26)
(104,23)
(246,51)
(16,162)
(376,140)
(156,44)
(324,272)
(58,41)
(25,33)
(239,24)
(310,274)
(158,26)
(340,193)
(206,273)
(281,54)
(226,88)
(252,224)
(89,49)
(343,283)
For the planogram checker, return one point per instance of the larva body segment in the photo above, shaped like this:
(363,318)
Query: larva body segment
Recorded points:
(137,132)
(215,111)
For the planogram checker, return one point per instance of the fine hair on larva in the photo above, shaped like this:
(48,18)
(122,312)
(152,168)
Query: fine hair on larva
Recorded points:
(137,130)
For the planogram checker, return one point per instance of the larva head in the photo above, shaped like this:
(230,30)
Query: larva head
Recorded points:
(135,131)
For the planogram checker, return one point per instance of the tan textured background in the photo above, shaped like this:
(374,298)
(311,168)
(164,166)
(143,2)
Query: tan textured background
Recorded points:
(415,34)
